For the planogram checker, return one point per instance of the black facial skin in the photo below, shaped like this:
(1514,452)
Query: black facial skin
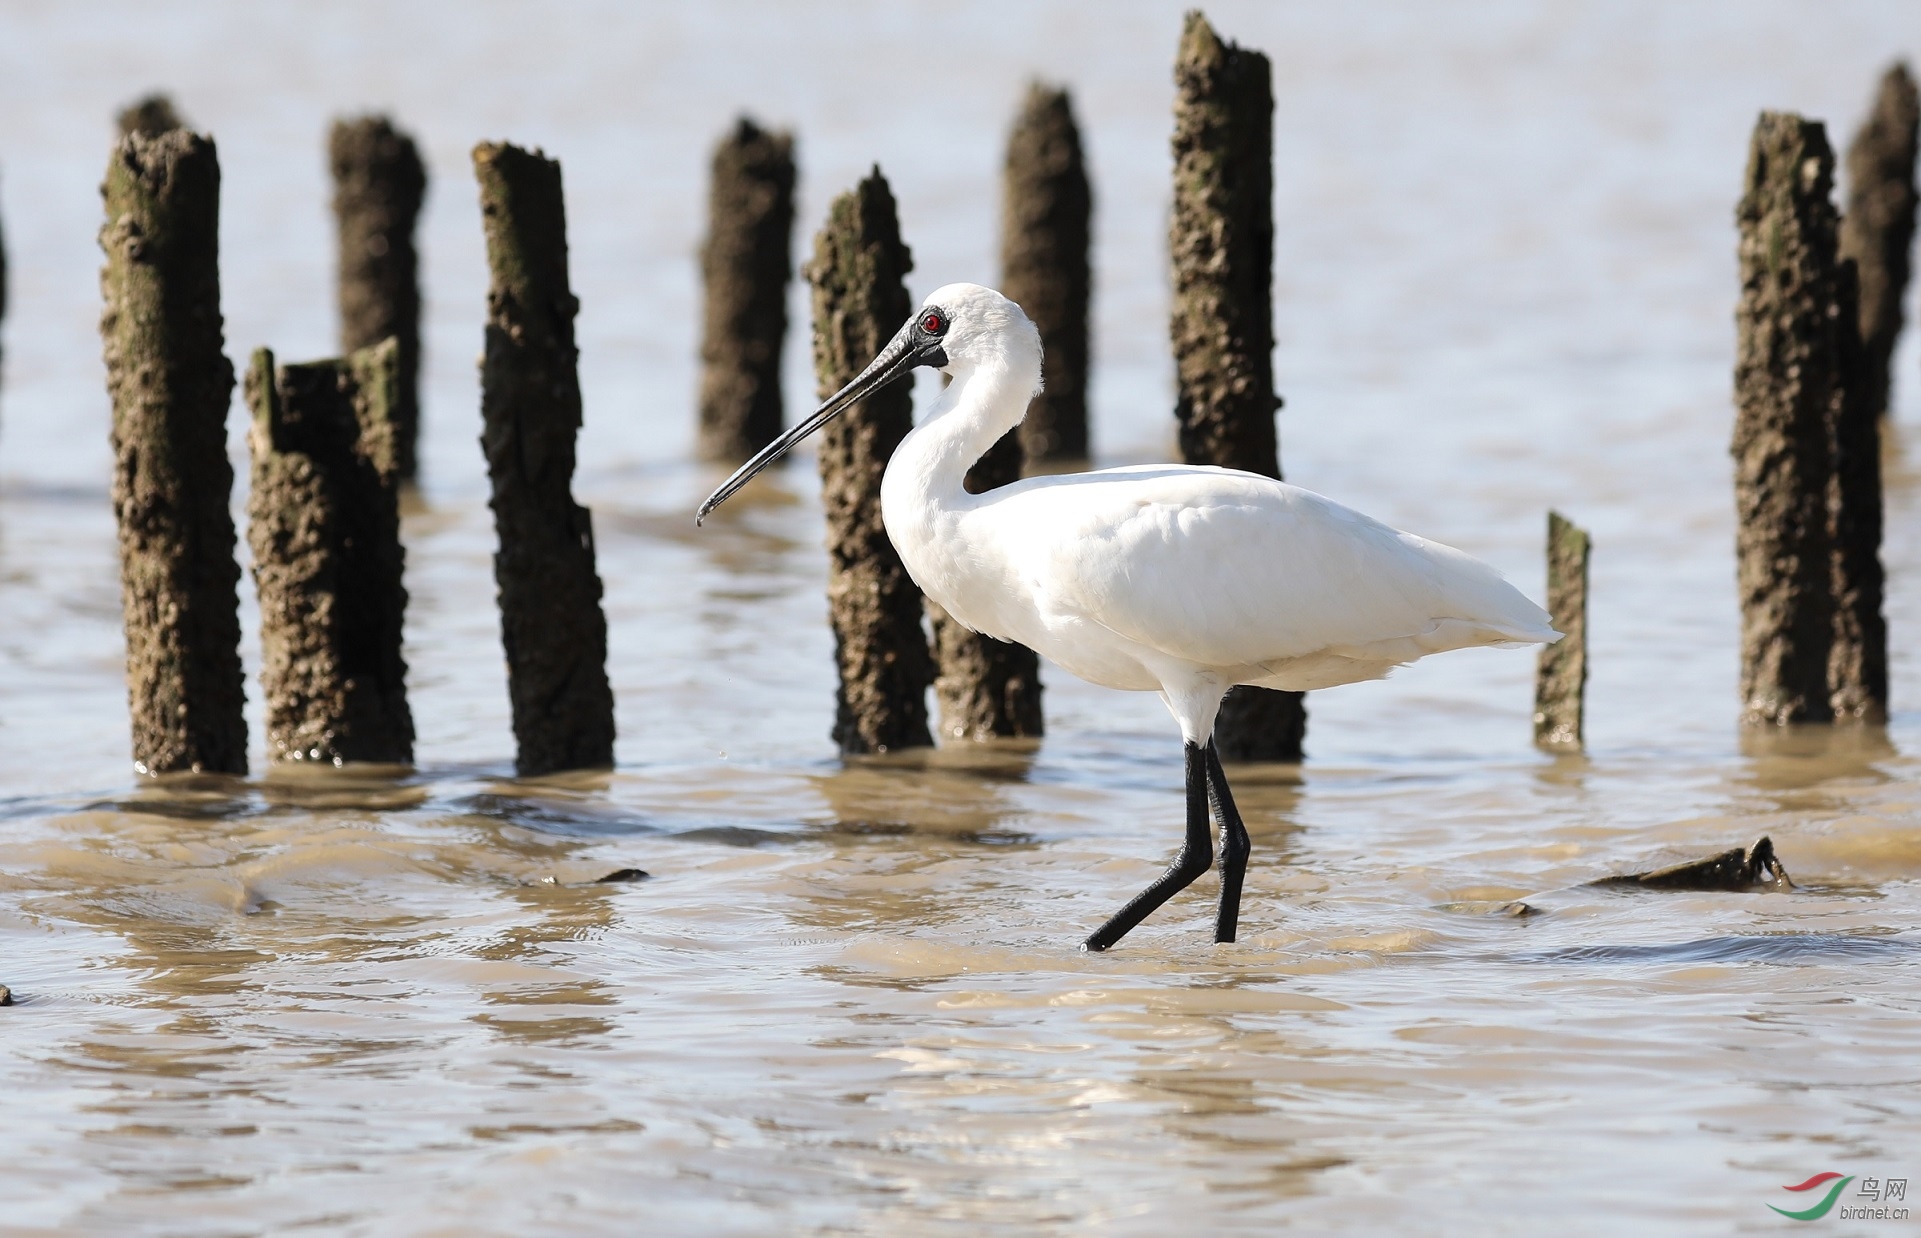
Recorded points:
(929,327)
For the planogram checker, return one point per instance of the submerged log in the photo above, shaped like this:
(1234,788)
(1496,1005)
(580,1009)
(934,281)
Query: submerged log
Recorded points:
(552,625)
(1742,870)
(170,385)
(1046,206)
(1787,383)
(380,184)
(1221,239)
(858,275)
(1878,229)
(745,264)
(1560,680)
(324,524)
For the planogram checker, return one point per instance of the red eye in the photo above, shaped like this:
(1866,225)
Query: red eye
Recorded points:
(932,324)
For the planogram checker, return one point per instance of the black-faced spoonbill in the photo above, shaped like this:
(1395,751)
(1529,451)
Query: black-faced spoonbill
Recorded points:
(1156,578)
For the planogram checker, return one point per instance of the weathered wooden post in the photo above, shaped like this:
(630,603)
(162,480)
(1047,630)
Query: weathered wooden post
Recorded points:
(987,689)
(1560,680)
(150,116)
(858,275)
(550,616)
(1787,384)
(1878,228)
(379,186)
(324,524)
(745,265)
(170,383)
(1046,207)
(1858,658)
(1221,240)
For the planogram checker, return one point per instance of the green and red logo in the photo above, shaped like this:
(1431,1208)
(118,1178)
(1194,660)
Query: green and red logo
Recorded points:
(1821,1209)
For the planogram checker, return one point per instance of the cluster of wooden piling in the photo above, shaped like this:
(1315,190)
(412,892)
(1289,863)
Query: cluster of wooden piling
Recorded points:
(1222,247)
(1811,384)
(334,441)
(1819,312)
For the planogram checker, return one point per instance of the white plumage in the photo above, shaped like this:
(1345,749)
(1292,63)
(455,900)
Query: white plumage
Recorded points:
(1177,579)
(1180,580)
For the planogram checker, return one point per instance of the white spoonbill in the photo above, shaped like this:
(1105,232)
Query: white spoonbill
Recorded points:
(1180,580)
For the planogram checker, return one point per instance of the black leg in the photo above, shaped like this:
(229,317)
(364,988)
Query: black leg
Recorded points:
(1234,846)
(1197,853)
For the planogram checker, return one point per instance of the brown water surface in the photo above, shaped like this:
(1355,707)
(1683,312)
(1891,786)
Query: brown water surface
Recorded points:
(849,998)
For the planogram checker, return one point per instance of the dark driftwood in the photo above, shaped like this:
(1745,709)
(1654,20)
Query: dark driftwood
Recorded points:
(860,300)
(1222,243)
(1560,682)
(550,614)
(324,524)
(1741,870)
(1878,228)
(170,384)
(379,186)
(1788,384)
(745,263)
(1046,207)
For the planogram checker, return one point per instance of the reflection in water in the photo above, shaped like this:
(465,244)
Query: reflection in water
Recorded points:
(916,839)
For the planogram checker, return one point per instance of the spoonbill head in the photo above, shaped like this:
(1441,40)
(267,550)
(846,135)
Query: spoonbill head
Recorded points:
(1180,580)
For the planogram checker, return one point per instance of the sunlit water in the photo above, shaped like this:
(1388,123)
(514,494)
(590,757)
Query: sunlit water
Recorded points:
(850,998)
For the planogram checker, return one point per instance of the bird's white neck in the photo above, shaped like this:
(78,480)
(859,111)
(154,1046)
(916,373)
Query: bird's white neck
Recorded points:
(928,471)
(923,496)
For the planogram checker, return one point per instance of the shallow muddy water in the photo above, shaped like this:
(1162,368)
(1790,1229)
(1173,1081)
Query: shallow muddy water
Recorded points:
(849,998)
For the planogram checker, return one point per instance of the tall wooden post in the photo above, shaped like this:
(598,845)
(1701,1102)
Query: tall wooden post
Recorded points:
(858,275)
(745,265)
(1858,658)
(1560,681)
(170,383)
(1787,385)
(324,524)
(1878,229)
(1221,240)
(550,616)
(379,186)
(1046,209)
